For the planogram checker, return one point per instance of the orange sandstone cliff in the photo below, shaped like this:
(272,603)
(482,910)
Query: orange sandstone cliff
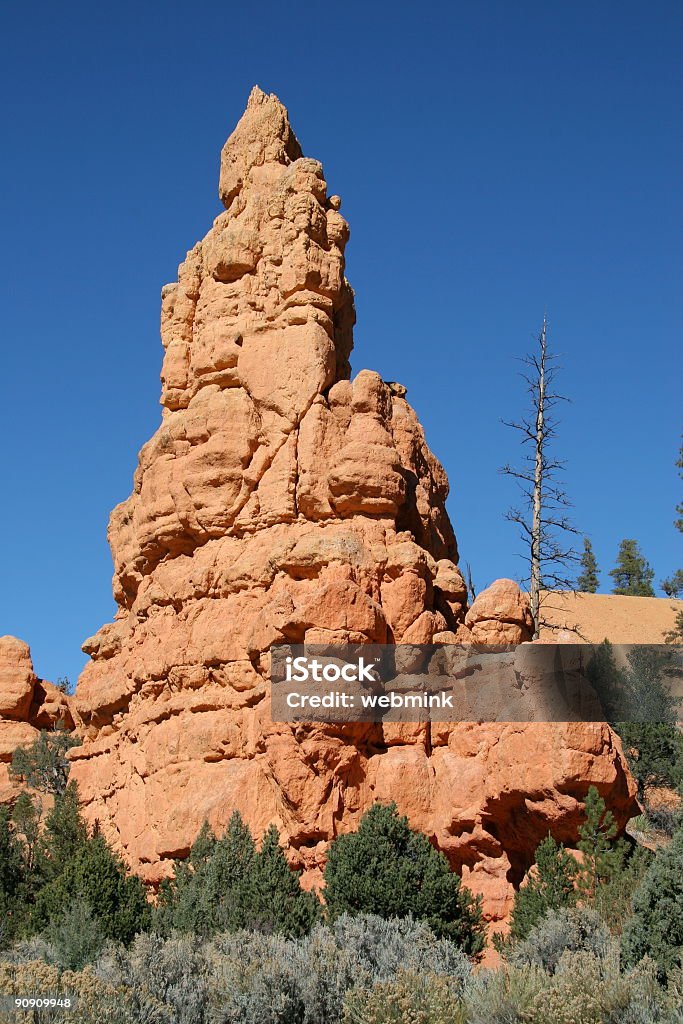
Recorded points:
(281,500)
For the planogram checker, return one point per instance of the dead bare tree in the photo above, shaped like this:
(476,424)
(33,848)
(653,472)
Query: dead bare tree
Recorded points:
(542,520)
(471,589)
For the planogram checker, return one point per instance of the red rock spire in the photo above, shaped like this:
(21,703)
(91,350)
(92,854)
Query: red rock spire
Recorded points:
(280,500)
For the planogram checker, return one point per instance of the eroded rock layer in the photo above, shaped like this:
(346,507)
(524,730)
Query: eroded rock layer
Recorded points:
(281,500)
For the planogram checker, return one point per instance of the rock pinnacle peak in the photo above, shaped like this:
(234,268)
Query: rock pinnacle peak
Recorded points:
(257,95)
(263,135)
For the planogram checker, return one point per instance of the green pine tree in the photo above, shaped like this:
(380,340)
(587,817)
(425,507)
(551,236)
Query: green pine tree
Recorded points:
(72,865)
(602,857)
(607,680)
(209,890)
(44,765)
(632,574)
(648,685)
(64,835)
(637,701)
(588,582)
(673,586)
(550,887)
(95,875)
(181,903)
(203,846)
(655,928)
(655,753)
(226,885)
(11,878)
(277,901)
(652,740)
(26,821)
(675,635)
(387,869)
(614,896)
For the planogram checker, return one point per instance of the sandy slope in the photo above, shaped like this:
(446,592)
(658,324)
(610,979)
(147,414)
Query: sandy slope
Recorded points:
(626,620)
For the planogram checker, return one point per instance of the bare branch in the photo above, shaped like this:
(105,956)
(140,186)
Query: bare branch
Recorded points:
(542,520)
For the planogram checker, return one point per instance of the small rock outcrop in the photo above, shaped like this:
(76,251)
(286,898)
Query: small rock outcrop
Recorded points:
(281,500)
(27,705)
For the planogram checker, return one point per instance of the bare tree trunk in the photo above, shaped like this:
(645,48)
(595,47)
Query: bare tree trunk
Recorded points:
(541,520)
(537,500)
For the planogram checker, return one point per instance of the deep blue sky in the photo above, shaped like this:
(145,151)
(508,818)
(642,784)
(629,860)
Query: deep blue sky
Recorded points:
(495,159)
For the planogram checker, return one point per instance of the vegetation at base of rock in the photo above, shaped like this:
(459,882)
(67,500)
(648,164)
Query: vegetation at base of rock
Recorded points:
(76,934)
(626,901)
(622,924)
(614,896)
(51,870)
(96,876)
(386,868)
(43,765)
(410,997)
(11,875)
(602,856)
(655,752)
(570,929)
(66,833)
(632,574)
(639,703)
(356,971)
(227,884)
(551,886)
(604,879)
(558,881)
(655,928)
(572,958)
(588,580)
(243,977)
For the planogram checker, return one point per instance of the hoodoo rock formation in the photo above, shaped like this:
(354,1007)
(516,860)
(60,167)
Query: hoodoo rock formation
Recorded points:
(280,500)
